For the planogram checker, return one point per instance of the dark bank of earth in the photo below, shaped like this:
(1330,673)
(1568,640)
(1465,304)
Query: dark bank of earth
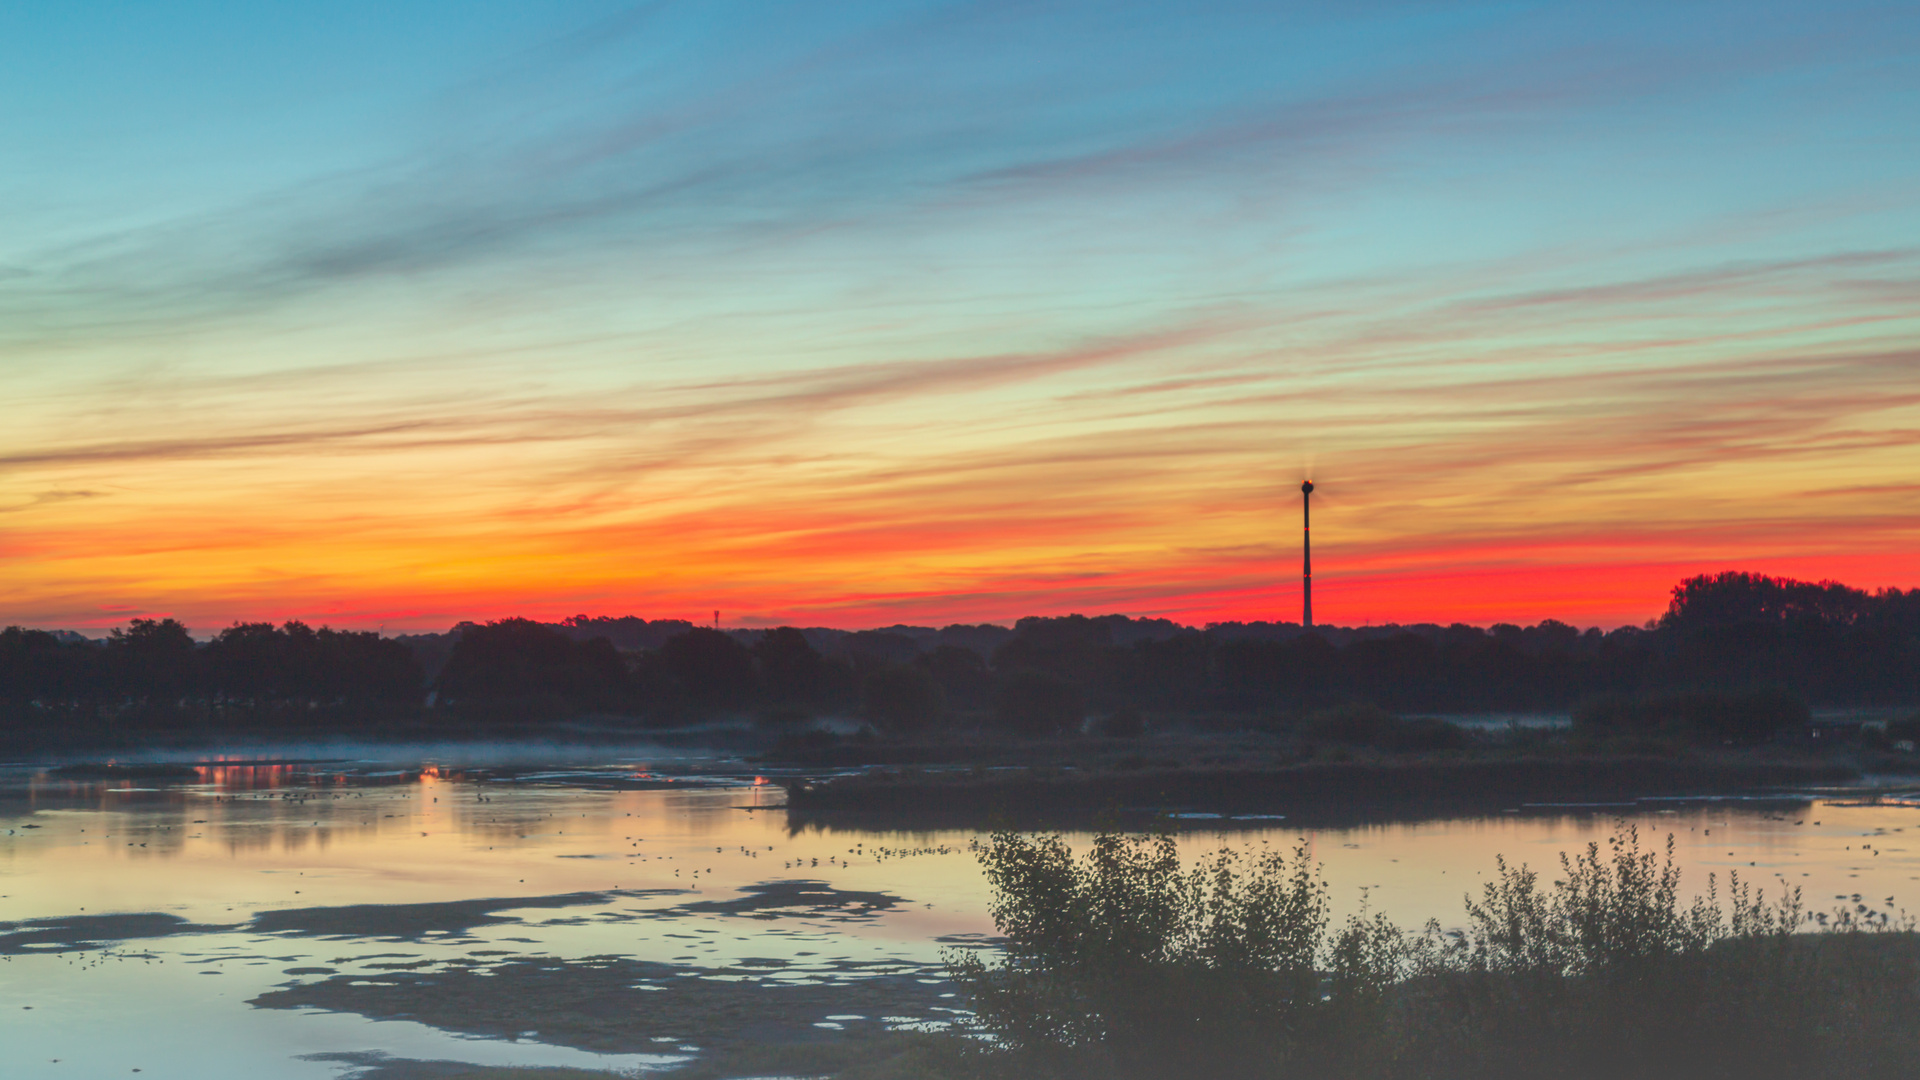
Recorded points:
(413,922)
(823,1013)
(92,931)
(617,1005)
(376,1066)
(976,794)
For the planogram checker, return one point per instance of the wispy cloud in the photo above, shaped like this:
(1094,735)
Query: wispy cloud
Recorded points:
(48,498)
(784,141)
(863,312)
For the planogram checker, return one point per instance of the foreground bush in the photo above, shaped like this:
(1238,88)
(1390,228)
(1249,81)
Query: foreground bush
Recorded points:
(1123,963)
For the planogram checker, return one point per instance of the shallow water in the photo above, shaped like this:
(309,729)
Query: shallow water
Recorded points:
(215,927)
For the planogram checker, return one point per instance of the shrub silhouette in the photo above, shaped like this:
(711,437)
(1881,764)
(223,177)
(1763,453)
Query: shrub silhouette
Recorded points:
(1128,962)
(1124,963)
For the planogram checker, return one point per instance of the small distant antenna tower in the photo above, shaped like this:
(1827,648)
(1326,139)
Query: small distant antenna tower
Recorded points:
(1306,553)
(716,620)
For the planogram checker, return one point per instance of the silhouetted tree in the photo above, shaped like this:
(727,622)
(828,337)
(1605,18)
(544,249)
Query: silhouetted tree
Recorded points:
(249,661)
(153,660)
(257,664)
(981,639)
(625,632)
(1737,597)
(1073,647)
(1034,702)
(870,649)
(36,666)
(1298,672)
(1396,671)
(715,670)
(900,698)
(1724,635)
(1172,673)
(524,664)
(961,674)
(790,670)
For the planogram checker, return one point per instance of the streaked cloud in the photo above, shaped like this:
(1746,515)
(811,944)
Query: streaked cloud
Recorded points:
(970,311)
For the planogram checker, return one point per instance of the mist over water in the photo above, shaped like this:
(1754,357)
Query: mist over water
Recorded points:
(233,922)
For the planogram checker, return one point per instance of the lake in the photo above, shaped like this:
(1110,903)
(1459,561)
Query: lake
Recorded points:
(629,908)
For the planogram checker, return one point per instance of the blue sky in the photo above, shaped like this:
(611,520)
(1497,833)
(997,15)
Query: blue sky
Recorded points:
(370,268)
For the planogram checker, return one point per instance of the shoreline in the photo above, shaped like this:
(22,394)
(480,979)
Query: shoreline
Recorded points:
(1320,788)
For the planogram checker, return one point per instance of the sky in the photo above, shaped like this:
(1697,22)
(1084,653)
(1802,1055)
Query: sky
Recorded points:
(393,315)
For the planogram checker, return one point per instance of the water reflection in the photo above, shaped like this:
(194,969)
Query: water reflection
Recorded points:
(318,889)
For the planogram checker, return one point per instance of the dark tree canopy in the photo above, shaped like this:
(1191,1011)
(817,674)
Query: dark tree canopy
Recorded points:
(790,670)
(1737,597)
(961,675)
(1736,657)
(36,665)
(874,648)
(1034,702)
(153,658)
(522,659)
(715,670)
(901,698)
(256,661)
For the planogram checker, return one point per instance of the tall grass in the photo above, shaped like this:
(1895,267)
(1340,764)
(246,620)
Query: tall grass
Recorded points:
(1123,962)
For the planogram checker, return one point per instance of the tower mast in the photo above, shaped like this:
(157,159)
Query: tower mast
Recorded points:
(1306,554)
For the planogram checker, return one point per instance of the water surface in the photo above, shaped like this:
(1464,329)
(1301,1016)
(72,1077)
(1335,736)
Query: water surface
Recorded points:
(280,919)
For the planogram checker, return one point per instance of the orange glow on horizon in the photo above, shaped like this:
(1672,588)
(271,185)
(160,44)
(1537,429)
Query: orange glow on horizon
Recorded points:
(1478,497)
(1496,584)
(484,339)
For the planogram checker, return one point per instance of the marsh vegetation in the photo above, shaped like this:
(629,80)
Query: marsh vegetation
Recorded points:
(1132,960)
(1127,961)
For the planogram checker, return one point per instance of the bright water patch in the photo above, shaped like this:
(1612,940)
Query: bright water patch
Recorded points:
(604,915)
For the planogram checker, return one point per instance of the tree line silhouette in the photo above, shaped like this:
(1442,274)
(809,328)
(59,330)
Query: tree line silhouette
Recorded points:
(1729,633)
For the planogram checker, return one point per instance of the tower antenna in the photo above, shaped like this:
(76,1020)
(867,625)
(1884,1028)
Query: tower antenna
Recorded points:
(1306,554)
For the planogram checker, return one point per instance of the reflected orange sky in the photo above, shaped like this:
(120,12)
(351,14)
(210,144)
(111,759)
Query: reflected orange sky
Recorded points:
(268,839)
(284,836)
